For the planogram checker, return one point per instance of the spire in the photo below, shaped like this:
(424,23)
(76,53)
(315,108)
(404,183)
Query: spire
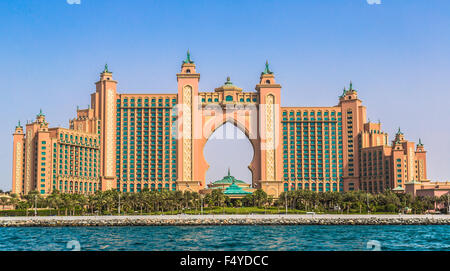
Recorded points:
(343,92)
(40,113)
(18,125)
(399,132)
(351,86)
(420,143)
(267,70)
(228,82)
(106,69)
(188,58)
(228,171)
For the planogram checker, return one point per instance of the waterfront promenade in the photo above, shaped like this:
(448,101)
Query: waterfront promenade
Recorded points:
(198,220)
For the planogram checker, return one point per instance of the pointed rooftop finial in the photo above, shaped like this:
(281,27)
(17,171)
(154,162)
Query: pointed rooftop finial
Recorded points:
(106,70)
(420,143)
(266,69)
(188,58)
(228,171)
(228,82)
(18,125)
(351,85)
(343,92)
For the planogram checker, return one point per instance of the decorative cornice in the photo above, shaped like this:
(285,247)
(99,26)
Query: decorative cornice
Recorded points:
(259,86)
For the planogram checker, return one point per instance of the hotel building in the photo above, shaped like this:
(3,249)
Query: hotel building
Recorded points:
(132,142)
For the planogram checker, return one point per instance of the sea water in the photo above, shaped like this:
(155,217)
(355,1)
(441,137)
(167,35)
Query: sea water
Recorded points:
(228,238)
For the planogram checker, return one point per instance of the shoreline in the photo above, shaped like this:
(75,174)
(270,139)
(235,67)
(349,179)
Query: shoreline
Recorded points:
(210,220)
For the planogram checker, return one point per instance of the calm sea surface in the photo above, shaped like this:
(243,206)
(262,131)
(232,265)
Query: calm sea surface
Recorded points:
(228,238)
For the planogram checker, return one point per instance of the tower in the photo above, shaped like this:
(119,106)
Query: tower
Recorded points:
(270,133)
(421,162)
(104,106)
(353,119)
(188,132)
(18,156)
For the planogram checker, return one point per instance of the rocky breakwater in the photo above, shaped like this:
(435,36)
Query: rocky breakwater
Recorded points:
(198,220)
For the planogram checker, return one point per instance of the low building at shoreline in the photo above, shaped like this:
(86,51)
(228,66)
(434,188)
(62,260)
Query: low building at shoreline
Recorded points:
(231,187)
(427,188)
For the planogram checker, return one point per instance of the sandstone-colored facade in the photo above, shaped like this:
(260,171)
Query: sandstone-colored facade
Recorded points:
(131,142)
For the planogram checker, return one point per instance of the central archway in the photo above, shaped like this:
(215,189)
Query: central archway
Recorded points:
(257,114)
(214,123)
(228,148)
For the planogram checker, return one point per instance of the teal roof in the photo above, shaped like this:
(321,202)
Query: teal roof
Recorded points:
(228,180)
(234,189)
(106,69)
(188,58)
(228,82)
(267,70)
(420,143)
(40,113)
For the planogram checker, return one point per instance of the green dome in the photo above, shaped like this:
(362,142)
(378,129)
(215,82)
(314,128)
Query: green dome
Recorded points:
(228,180)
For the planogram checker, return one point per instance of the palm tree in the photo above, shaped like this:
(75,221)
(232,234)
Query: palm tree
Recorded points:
(445,201)
(13,200)
(66,203)
(4,201)
(54,200)
(260,198)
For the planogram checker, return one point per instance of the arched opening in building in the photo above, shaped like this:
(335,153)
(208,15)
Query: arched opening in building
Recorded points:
(228,147)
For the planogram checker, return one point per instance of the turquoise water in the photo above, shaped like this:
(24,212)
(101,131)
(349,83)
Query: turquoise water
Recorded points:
(246,238)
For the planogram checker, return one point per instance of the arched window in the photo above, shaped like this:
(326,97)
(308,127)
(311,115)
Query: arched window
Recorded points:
(267,81)
(188,71)
(229,98)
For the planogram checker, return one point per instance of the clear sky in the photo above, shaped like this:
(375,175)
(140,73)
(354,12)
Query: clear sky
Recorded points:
(397,53)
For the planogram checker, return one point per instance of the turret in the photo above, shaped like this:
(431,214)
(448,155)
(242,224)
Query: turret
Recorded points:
(399,136)
(350,94)
(104,105)
(18,159)
(19,129)
(420,147)
(270,131)
(188,112)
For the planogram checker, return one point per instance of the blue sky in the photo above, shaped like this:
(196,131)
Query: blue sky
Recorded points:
(396,53)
